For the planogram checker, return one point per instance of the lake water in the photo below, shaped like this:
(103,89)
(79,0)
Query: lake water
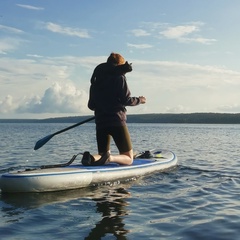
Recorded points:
(200,199)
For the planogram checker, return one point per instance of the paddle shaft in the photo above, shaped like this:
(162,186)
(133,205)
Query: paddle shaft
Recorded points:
(73,126)
(44,140)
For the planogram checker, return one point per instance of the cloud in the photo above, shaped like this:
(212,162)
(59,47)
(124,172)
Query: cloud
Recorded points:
(197,40)
(25,86)
(179,31)
(10,29)
(8,44)
(53,27)
(177,109)
(59,86)
(34,55)
(7,105)
(139,46)
(30,7)
(183,87)
(59,98)
(184,33)
(139,32)
(233,108)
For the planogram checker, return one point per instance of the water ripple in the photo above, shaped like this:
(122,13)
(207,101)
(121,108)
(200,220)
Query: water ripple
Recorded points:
(197,200)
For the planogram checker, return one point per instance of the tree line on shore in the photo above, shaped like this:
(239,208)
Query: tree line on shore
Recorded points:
(194,118)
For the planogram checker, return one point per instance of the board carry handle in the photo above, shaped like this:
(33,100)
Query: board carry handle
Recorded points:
(61,164)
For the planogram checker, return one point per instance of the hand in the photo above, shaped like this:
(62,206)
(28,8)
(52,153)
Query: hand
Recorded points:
(142,100)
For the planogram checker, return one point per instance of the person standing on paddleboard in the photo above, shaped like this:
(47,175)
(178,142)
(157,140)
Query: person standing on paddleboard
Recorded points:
(108,98)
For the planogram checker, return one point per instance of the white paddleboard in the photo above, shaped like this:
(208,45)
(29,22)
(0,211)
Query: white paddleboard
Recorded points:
(79,176)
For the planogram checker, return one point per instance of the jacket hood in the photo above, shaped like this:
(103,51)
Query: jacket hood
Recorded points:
(105,69)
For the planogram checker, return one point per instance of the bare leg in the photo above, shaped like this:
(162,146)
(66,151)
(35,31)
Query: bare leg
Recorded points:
(97,157)
(124,158)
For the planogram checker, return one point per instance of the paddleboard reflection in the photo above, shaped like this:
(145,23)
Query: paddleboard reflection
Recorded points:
(110,201)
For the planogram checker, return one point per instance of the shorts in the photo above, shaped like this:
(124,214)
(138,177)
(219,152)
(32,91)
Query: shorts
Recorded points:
(120,135)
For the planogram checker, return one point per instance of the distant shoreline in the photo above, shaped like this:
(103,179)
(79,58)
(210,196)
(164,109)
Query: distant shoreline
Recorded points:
(193,118)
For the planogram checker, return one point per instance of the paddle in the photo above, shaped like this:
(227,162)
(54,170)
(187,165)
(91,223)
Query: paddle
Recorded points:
(44,140)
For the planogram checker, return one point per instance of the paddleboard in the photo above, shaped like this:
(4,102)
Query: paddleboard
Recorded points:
(78,176)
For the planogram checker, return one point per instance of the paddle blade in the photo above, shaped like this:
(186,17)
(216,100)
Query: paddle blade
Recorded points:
(42,141)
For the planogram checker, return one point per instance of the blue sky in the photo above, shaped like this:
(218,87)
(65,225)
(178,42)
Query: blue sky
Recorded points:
(185,54)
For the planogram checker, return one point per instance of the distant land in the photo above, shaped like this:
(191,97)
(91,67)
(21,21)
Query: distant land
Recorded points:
(193,118)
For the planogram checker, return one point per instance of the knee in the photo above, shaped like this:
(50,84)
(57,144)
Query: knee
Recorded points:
(129,156)
(130,161)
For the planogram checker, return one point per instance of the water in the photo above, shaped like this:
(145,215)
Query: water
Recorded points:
(197,200)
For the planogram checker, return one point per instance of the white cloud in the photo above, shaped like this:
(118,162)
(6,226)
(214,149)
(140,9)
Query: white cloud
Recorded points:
(139,46)
(140,32)
(184,33)
(30,7)
(183,87)
(168,86)
(26,82)
(8,45)
(10,29)
(7,105)
(34,55)
(53,27)
(177,109)
(179,31)
(197,40)
(233,108)
(59,98)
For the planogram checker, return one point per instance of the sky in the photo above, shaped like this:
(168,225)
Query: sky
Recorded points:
(185,54)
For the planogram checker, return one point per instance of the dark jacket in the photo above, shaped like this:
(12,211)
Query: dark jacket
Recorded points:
(109,94)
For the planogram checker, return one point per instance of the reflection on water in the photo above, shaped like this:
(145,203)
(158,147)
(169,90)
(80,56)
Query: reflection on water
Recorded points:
(35,200)
(200,200)
(110,204)
(112,207)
